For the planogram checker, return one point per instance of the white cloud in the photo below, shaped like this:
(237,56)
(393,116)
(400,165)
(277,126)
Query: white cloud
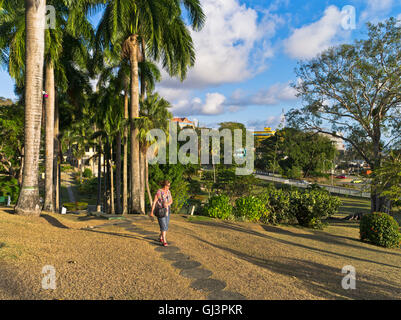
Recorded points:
(213,105)
(376,10)
(308,41)
(232,47)
(273,95)
(216,103)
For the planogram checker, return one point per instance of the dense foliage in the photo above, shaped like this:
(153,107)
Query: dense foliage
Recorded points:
(311,206)
(355,89)
(219,206)
(277,203)
(233,185)
(380,229)
(9,187)
(295,154)
(178,185)
(251,208)
(11,138)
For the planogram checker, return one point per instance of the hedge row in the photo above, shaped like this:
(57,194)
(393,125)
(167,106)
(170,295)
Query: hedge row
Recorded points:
(274,206)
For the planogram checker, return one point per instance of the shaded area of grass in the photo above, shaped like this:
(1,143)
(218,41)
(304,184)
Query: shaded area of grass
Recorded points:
(351,205)
(255,260)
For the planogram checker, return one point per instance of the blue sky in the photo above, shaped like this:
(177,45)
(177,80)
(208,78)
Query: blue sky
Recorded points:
(247,52)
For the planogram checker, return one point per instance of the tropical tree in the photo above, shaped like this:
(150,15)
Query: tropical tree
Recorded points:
(110,118)
(355,89)
(389,176)
(28,201)
(154,114)
(157,28)
(64,37)
(296,153)
(11,139)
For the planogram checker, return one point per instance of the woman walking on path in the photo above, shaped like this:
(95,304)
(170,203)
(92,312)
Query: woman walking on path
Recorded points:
(163,199)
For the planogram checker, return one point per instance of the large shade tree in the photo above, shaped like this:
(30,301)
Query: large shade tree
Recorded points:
(355,89)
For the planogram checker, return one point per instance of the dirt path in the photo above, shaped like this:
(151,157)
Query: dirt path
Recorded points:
(206,259)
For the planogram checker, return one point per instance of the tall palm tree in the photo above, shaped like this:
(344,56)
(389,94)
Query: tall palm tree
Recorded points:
(28,201)
(68,16)
(154,115)
(109,117)
(157,24)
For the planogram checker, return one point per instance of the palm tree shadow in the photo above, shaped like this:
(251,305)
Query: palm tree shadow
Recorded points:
(235,227)
(320,279)
(9,211)
(53,221)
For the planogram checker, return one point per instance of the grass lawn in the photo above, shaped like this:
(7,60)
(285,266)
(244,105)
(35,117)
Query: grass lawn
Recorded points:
(97,259)
(256,260)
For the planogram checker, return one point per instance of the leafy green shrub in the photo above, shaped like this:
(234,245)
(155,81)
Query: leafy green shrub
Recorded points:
(194,187)
(251,207)
(219,206)
(311,206)
(380,229)
(179,192)
(75,206)
(9,187)
(277,203)
(293,173)
(66,168)
(88,186)
(87,173)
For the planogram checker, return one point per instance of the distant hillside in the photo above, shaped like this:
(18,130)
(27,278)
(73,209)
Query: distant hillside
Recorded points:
(5,102)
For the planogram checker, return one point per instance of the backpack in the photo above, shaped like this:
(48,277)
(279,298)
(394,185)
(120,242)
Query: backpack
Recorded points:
(161,212)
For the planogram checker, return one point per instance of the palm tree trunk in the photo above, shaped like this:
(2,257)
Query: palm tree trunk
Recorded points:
(112,211)
(135,168)
(118,174)
(142,179)
(49,144)
(28,201)
(142,154)
(147,181)
(125,161)
(21,170)
(99,178)
(105,188)
(56,156)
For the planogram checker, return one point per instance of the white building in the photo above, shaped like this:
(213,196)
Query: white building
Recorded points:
(338,142)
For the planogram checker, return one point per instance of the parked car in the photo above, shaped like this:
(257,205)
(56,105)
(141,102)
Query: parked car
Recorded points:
(341,177)
(356,181)
(305,182)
